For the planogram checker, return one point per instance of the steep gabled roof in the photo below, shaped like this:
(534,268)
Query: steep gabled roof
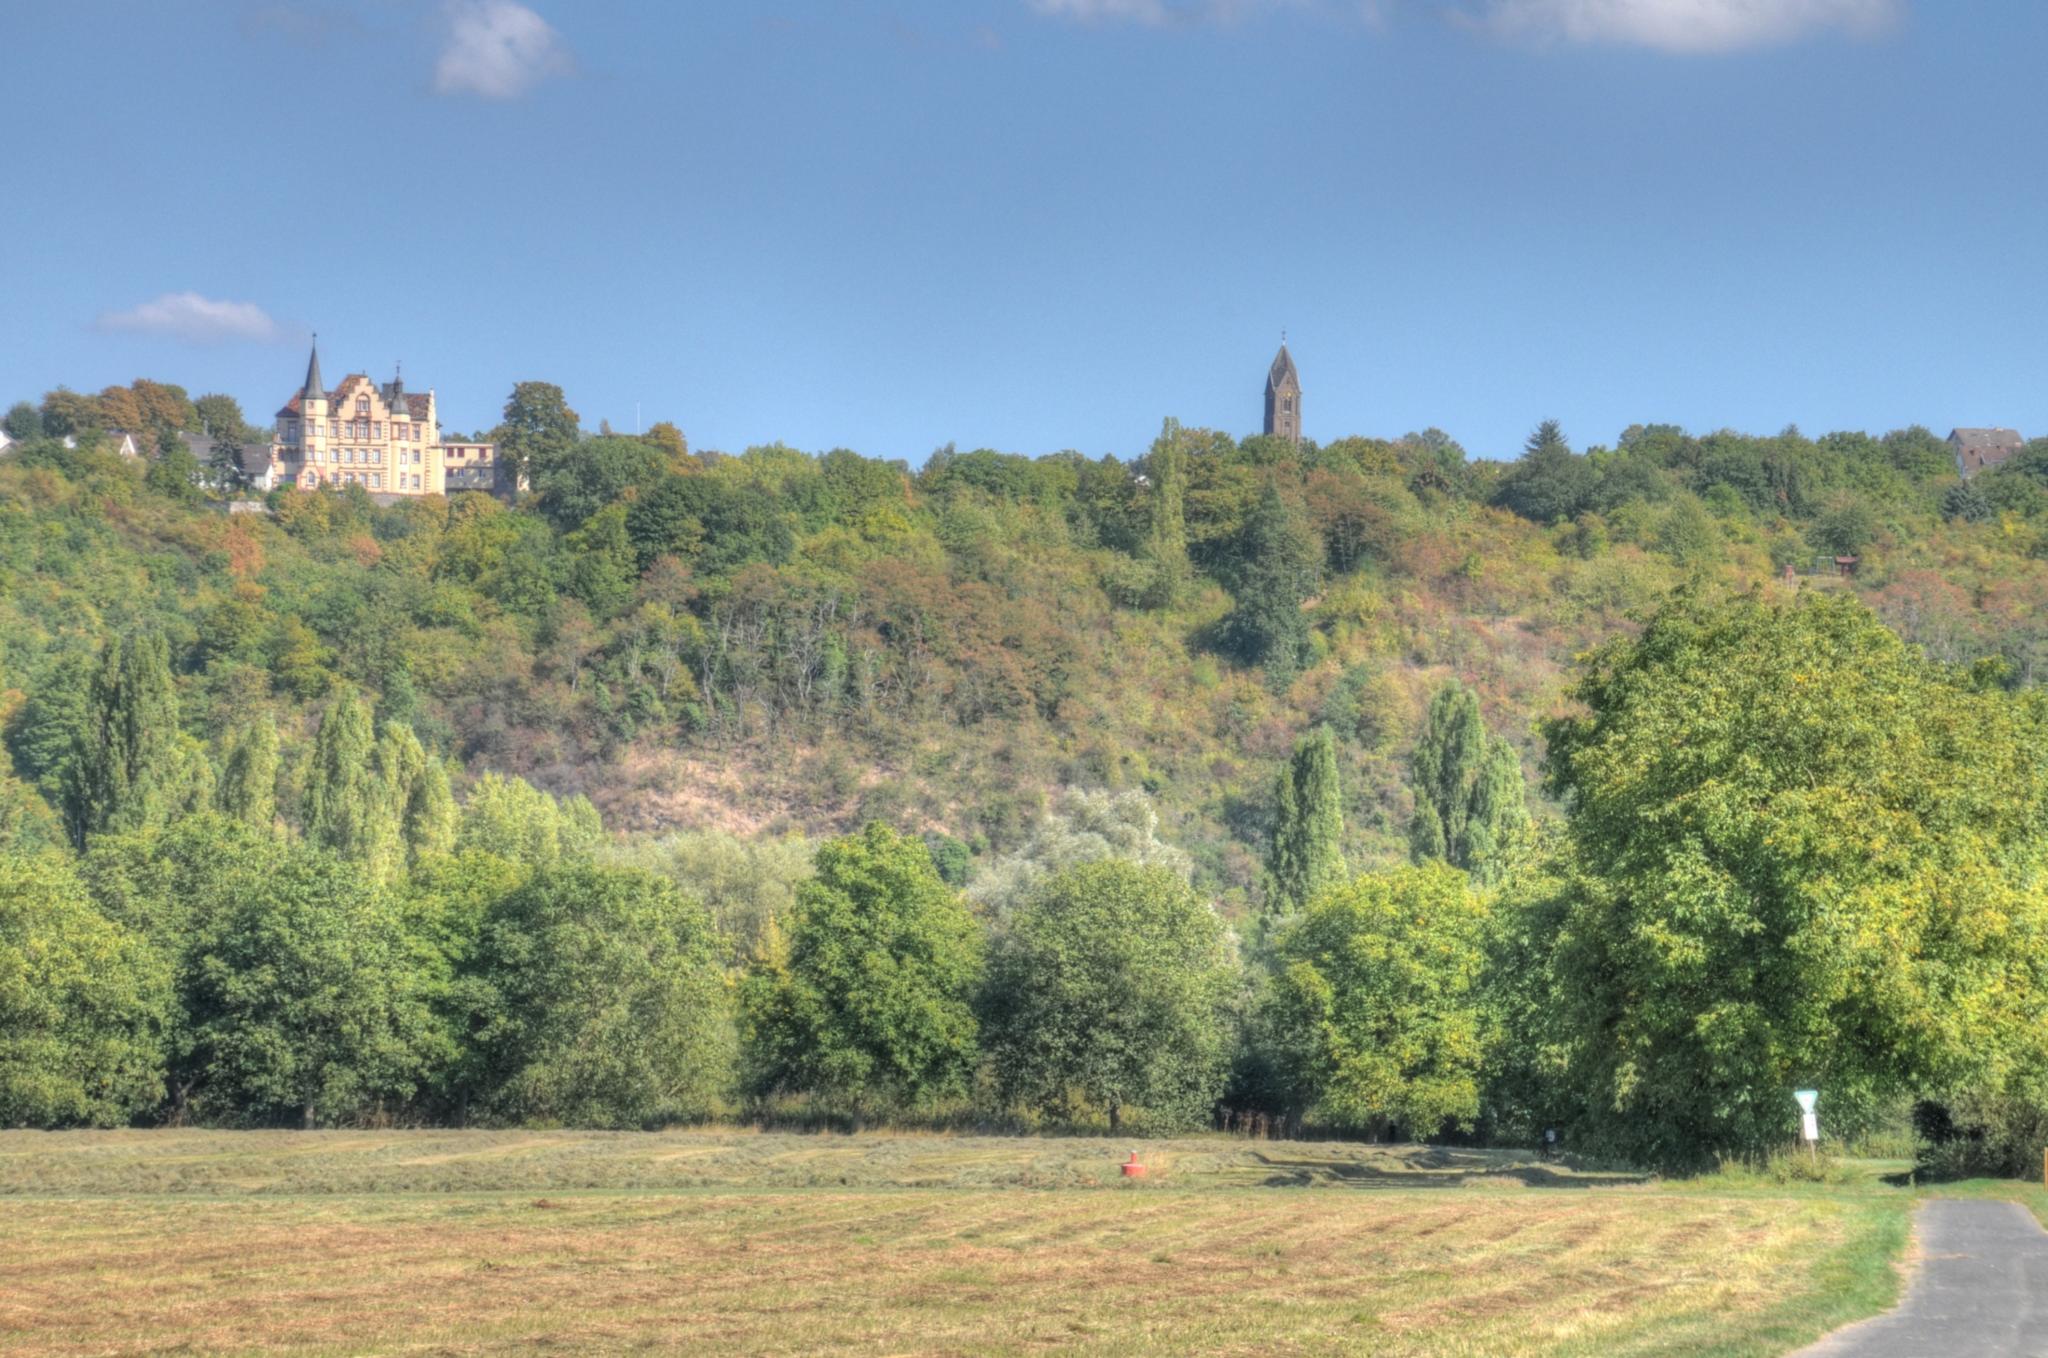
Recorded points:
(1282,373)
(415,405)
(313,388)
(1987,438)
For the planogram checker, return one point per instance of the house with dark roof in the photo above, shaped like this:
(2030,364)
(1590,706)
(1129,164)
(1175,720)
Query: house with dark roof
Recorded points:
(1979,450)
(378,436)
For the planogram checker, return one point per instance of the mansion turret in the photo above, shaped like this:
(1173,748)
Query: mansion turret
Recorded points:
(383,438)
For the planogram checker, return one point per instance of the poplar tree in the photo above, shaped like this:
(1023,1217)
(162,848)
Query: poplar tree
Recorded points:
(1166,544)
(1471,806)
(348,803)
(129,767)
(430,816)
(1308,833)
(248,782)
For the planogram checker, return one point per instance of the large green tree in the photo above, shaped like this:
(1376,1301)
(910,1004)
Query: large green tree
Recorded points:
(1550,483)
(868,1002)
(132,766)
(1471,805)
(1379,996)
(1307,853)
(1271,572)
(1110,990)
(1802,855)
(539,430)
(302,1001)
(349,805)
(84,1004)
(604,1002)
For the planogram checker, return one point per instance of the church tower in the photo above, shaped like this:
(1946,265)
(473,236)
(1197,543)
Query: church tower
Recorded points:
(1283,398)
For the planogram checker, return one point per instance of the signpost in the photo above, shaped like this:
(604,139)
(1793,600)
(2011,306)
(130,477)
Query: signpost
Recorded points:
(1809,1122)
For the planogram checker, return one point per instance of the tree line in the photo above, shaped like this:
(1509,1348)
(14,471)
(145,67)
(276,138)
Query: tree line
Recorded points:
(1794,852)
(1027,667)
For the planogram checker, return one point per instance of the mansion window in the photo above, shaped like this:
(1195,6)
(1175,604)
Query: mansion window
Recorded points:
(362,406)
(377,431)
(376,481)
(334,429)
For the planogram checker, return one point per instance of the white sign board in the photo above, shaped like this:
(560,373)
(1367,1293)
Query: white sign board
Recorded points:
(1809,1126)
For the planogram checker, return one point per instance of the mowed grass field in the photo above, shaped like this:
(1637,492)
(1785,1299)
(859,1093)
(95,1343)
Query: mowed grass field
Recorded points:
(740,1243)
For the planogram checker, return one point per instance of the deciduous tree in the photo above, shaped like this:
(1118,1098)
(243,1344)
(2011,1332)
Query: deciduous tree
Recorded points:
(1380,999)
(606,1002)
(1307,853)
(871,1003)
(1803,856)
(1471,807)
(132,766)
(84,1005)
(1110,990)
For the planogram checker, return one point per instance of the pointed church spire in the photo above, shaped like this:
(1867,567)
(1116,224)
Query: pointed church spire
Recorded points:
(1282,373)
(315,389)
(1283,396)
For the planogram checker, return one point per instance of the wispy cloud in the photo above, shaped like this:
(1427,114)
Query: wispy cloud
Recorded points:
(195,319)
(1689,26)
(498,49)
(1156,13)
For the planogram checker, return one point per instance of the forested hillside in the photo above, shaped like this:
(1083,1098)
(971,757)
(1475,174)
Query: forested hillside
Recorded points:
(780,642)
(1047,792)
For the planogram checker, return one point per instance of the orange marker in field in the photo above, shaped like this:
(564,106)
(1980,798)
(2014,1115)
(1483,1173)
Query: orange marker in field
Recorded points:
(1132,1169)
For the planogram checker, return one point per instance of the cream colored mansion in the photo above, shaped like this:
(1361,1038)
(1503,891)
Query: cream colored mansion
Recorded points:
(383,438)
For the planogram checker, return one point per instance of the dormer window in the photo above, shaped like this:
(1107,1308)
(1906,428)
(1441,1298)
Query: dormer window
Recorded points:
(362,406)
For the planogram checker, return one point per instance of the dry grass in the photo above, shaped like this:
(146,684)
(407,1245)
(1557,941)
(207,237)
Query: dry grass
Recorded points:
(468,1161)
(1185,1264)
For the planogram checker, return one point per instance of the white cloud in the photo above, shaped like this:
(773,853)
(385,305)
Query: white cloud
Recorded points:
(499,50)
(1692,26)
(199,320)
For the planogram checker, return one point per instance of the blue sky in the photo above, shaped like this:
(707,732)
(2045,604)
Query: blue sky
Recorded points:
(1044,224)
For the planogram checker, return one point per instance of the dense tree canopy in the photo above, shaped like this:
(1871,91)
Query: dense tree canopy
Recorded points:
(1022,666)
(84,1005)
(1803,855)
(1110,990)
(1379,987)
(601,1001)
(1471,808)
(870,999)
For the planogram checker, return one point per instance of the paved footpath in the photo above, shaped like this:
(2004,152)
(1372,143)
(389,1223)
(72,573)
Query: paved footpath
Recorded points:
(1980,1291)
